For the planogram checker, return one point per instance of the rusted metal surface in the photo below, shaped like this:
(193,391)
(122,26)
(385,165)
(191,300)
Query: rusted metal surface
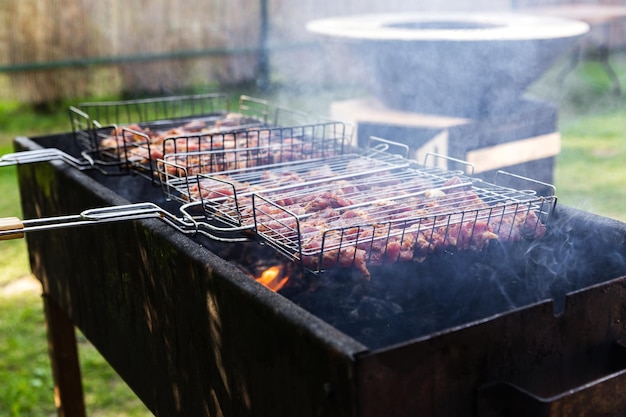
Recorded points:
(510,365)
(193,335)
(188,332)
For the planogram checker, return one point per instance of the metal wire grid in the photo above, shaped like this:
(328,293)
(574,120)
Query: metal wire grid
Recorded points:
(226,196)
(241,156)
(95,123)
(403,228)
(191,155)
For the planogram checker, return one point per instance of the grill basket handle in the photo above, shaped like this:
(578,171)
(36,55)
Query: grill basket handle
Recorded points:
(43,155)
(14,228)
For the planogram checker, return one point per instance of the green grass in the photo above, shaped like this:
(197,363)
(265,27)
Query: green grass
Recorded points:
(21,120)
(27,387)
(590,174)
(13,262)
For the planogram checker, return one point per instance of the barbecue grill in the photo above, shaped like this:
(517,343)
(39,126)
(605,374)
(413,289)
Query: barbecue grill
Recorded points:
(534,328)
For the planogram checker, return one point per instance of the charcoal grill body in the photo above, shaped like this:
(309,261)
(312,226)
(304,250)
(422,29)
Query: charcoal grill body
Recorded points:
(188,332)
(193,336)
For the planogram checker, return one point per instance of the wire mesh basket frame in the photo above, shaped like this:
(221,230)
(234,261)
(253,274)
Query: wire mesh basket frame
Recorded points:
(514,204)
(431,159)
(114,113)
(81,128)
(228,205)
(378,144)
(145,161)
(314,141)
(282,230)
(286,142)
(380,167)
(91,119)
(251,125)
(233,215)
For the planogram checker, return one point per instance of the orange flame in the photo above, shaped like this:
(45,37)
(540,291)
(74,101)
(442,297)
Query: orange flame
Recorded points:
(272,278)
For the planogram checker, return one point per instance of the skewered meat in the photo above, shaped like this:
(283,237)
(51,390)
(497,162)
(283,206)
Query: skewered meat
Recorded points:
(328,218)
(137,144)
(412,228)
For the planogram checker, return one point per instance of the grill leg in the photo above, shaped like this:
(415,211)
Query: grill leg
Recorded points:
(68,389)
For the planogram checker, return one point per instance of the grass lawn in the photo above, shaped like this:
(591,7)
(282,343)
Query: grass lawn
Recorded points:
(590,174)
(27,388)
(590,170)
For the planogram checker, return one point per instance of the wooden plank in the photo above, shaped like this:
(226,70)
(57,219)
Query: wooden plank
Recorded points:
(515,153)
(68,388)
(11,223)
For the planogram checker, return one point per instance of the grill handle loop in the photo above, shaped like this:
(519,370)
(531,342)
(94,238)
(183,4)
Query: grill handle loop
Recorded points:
(43,155)
(517,182)
(199,223)
(13,228)
(449,163)
(189,223)
(124,212)
(378,144)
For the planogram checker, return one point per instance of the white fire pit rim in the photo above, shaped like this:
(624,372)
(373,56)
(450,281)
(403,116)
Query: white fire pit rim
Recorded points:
(462,27)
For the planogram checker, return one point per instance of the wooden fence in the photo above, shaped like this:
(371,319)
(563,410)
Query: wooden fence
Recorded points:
(55,49)
(74,48)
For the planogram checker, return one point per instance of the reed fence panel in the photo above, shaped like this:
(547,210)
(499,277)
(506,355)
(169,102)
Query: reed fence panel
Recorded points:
(76,48)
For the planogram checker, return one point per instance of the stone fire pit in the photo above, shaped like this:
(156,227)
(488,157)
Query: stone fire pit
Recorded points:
(462,64)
